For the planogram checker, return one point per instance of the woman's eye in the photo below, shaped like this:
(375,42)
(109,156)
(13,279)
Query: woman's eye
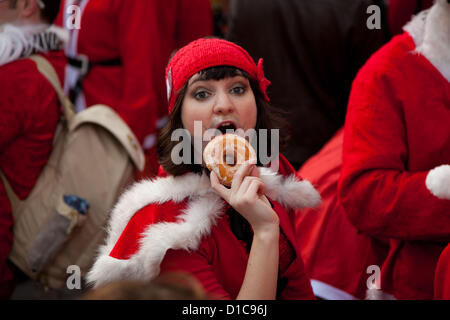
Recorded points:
(200,95)
(238,90)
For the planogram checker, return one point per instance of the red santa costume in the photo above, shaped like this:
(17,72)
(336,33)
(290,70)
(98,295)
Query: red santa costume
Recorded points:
(128,44)
(336,255)
(395,175)
(29,113)
(179,223)
(442,276)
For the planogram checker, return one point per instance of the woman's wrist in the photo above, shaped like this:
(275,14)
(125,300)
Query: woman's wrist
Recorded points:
(267,231)
(270,224)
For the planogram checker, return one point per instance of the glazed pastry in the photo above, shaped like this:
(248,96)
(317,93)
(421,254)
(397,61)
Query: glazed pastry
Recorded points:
(225,154)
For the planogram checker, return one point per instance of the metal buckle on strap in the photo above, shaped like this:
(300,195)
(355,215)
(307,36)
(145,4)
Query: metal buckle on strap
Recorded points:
(84,64)
(80,62)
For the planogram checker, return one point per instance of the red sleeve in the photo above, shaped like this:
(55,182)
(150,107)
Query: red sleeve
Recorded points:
(13,102)
(380,196)
(10,126)
(196,264)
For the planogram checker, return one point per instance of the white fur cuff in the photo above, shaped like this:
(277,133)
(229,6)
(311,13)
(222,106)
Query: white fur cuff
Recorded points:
(438,182)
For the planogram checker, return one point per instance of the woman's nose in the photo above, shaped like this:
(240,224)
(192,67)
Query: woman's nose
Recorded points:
(224,103)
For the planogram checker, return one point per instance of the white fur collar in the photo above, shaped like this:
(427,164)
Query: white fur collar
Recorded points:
(204,207)
(430,30)
(17,42)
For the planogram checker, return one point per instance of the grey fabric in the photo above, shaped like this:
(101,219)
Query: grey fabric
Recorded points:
(49,241)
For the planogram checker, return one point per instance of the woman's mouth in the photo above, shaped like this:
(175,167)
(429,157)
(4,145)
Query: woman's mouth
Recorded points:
(227,127)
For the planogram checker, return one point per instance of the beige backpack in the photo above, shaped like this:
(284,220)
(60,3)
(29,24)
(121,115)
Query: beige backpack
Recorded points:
(93,158)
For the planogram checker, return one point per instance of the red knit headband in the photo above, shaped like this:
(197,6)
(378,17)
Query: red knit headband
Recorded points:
(206,53)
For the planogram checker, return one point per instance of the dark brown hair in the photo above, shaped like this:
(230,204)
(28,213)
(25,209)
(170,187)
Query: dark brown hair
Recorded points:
(267,118)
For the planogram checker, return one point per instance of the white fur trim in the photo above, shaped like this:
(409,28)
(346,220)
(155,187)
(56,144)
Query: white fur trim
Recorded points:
(146,192)
(290,192)
(416,27)
(198,219)
(438,182)
(17,42)
(430,31)
(204,207)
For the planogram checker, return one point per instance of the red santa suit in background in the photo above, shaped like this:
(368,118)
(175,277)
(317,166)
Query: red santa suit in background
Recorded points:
(442,276)
(336,255)
(29,113)
(128,44)
(395,174)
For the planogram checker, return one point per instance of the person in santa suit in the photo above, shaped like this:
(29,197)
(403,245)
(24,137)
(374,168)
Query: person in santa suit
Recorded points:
(442,276)
(29,107)
(238,242)
(395,173)
(337,256)
(118,55)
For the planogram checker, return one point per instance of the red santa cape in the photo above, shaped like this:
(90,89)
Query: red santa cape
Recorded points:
(185,214)
(396,155)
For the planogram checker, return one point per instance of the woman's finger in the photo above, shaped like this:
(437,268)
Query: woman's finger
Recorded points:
(254,172)
(246,183)
(219,188)
(239,176)
(257,187)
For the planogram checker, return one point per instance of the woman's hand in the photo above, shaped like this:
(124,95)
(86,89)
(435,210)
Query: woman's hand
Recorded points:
(247,196)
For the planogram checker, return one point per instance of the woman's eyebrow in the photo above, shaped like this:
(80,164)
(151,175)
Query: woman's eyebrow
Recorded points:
(200,78)
(197,80)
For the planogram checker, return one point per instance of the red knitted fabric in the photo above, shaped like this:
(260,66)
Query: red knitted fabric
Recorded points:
(205,53)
